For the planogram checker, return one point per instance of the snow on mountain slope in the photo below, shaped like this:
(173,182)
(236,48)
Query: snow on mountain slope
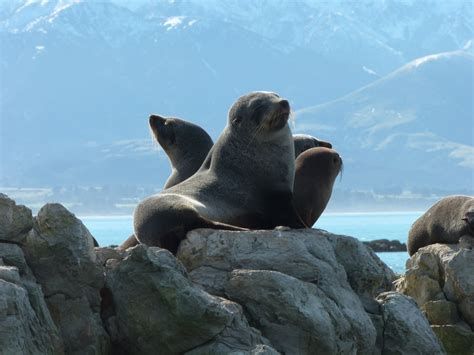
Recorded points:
(418,119)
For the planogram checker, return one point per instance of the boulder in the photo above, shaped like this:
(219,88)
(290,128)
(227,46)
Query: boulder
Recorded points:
(304,259)
(158,310)
(59,249)
(296,316)
(441,280)
(405,329)
(15,221)
(366,273)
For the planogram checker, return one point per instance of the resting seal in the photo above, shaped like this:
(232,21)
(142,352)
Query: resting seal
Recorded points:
(246,180)
(185,143)
(316,170)
(445,222)
(303,142)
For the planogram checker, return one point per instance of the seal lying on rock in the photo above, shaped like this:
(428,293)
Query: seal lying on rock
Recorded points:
(303,142)
(246,180)
(185,143)
(316,170)
(445,222)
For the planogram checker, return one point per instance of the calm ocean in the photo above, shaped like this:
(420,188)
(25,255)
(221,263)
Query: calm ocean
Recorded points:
(364,226)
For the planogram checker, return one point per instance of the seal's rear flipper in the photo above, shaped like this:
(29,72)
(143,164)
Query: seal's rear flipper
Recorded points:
(129,243)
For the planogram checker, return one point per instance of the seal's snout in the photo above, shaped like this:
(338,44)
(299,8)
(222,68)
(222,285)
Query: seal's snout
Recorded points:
(285,105)
(156,120)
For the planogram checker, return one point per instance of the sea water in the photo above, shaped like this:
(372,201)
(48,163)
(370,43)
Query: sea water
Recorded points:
(364,226)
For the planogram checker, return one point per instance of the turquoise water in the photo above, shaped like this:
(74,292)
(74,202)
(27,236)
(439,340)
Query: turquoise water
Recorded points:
(364,226)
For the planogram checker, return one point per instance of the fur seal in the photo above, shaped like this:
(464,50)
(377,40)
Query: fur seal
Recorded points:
(445,222)
(246,180)
(303,142)
(185,143)
(316,170)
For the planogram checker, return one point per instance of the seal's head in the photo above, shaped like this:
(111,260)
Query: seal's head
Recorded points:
(179,138)
(262,112)
(469,219)
(303,142)
(322,164)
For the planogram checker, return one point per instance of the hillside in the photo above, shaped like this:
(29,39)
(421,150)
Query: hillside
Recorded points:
(412,127)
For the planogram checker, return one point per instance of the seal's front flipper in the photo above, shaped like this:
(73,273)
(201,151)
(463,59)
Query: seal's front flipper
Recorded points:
(206,223)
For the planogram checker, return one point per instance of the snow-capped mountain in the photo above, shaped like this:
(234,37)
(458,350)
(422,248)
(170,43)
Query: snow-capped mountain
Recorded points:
(415,124)
(80,77)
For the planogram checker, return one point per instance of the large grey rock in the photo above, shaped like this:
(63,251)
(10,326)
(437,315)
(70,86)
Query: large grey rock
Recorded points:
(405,329)
(60,252)
(440,278)
(366,273)
(15,220)
(22,329)
(296,316)
(15,270)
(212,256)
(158,310)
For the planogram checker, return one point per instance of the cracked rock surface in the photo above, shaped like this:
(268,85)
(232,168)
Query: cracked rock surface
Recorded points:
(440,278)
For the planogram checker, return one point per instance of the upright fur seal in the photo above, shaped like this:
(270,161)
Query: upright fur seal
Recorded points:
(316,170)
(303,142)
(245,181)
(185,143)
(445,222)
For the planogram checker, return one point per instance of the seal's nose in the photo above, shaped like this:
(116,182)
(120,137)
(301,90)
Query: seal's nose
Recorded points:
(156,120)
(285,104)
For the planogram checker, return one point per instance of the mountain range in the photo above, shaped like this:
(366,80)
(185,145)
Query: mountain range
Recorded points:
(390,83)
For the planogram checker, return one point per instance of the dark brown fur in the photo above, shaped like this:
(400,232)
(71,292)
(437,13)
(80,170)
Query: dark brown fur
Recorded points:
(445,222)
(316,170)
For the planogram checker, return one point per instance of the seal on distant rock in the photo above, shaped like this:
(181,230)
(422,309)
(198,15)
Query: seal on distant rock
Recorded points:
(185,143)
(445,222)
(246,180)
(303,142)
(316,170)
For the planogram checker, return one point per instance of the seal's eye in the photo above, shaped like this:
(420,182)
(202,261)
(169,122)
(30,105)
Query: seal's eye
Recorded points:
(237,120)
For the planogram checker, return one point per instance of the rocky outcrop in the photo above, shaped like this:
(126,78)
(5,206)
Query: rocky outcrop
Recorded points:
(385,245)
(405,329)
(260,292)
(15,221)
(25,322)
(157,309)
(59,249)
(440,278)
(315,286)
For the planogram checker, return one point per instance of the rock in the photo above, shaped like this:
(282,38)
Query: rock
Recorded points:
(159,310)
(366,273)
(385,245)
(456,339)
(213,256)
(440,279)
(406,330)
(103,254)
(16,271)
(296,316)
(441,312)
(60,252)
(15,220)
